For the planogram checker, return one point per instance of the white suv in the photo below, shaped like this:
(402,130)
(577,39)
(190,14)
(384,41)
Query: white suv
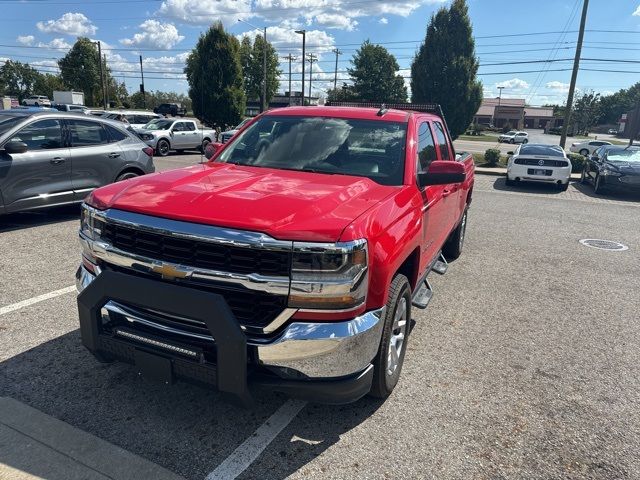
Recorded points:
(514,136)
(539,163)
(37,101)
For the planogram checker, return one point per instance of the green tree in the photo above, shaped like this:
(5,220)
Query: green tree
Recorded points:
(80,70)
(445,67)
(375,77)
(586,113)
(624,100)
(251,59)
(341,94)
(46,84)
(214,74)
(19,79)
(154,98)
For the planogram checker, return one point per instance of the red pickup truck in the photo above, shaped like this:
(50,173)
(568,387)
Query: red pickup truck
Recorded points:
(290,260)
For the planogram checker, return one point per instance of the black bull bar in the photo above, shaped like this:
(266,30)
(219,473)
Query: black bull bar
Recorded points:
(207,307)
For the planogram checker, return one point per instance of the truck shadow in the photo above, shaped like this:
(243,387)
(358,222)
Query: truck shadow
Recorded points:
(183,427)
(22,220)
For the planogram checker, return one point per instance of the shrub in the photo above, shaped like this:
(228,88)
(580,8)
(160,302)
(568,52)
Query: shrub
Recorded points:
(492,156)
(577,162)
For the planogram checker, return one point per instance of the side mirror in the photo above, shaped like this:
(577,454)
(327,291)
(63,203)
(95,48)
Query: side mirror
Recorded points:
(15,147)
(211,150)
(595,158)
(442,173)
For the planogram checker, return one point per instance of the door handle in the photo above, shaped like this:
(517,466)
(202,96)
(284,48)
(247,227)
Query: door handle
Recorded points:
(114,155)
(57,160)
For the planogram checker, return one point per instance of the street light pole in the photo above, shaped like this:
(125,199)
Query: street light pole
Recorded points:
(500,95)
(312,59)
(263,100)
(290,58)
(304,58)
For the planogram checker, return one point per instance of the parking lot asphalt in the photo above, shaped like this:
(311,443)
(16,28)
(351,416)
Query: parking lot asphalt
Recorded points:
(524,365)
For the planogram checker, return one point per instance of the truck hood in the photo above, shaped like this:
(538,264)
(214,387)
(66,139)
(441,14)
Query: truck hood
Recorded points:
(284,204)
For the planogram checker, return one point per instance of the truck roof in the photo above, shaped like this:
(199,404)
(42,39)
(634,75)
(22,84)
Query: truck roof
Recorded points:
(363,113)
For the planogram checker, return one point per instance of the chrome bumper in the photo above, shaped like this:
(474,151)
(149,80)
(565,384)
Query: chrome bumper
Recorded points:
(317,350)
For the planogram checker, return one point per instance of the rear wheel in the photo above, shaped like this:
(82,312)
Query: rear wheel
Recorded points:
(452,249)
(584,152)
(203,147)
(163,148)
(397,318)
(126,176)
(563,187)
(525,141)
(512,141)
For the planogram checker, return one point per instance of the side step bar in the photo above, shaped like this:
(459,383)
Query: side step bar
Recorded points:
(424,292)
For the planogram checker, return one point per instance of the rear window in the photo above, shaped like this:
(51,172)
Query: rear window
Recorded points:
(541,150)
(86,133)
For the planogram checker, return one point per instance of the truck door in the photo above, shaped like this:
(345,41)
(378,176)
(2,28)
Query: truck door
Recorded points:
(450,192)
(434,221)
(192,135)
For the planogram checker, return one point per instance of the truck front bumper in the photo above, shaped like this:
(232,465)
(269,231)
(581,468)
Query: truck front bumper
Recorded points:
(328,362)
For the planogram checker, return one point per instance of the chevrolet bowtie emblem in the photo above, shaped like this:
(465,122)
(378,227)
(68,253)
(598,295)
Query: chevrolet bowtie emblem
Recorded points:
(169,271)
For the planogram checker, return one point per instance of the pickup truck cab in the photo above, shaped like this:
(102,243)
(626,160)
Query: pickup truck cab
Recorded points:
(164,135)
(290,260)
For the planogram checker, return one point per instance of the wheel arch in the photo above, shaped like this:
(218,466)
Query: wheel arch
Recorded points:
(130,169)
(410,267)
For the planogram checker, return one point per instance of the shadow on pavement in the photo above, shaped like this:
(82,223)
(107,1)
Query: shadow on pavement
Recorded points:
(185,428)
(526,187)
(611,194)
(37,218)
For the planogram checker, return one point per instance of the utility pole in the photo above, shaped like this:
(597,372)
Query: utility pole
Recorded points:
(304,58)
(500,95)
(104,96)
(144,95)
(335,78)
(574,74)
(106,87)
(290,58)
(312,58)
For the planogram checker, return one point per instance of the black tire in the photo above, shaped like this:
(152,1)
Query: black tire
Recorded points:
(385,380)
(452,248)
(525,141)
(584,152)
(36,104)
(512,141)
(598,186)
(127,176)
(203,147)
(563,187)
(163,148)
(509,183)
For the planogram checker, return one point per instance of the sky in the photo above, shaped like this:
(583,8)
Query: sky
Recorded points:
(164,31)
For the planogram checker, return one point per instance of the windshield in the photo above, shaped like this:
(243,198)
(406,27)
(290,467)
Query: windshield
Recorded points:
(7,122)
(158,124)
(627,156)
(551,150)
(366,148)
(512,132)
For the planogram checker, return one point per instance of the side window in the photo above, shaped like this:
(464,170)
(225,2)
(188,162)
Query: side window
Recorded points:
(179,127)
(426,148)
(115,134)
(442,141)
(191,127)
(85,133)
(41,135)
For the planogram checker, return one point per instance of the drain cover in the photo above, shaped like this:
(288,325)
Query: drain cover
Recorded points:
(604,244)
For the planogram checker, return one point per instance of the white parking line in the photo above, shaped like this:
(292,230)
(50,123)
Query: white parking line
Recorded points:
(243,456)
(40,298)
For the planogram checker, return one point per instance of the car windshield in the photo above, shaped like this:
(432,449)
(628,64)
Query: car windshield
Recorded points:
(366,148)
(551,150)
(626,156)
(512,132)
(7,122)
(158,124)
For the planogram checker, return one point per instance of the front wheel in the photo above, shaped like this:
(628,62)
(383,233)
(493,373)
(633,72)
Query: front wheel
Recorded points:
(126,176)
(204,145)
(525,141)
(163,148)
(512,141)
(584,152)
(397,318)
(452,249)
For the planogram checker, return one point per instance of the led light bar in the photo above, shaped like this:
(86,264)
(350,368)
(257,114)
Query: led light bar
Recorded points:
(156,343)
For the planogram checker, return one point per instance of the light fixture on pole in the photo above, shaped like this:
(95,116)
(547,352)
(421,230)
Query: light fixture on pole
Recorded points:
(304,58)
(263,100)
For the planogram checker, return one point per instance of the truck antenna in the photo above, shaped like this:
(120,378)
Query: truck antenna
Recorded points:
(382,111)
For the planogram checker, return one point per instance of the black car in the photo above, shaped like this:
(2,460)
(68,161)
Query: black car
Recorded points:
(613,166)
(173,109)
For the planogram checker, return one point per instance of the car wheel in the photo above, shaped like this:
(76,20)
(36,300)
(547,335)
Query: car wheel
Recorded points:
(512,141)
(598,186)
(584,152)
(126,176)
(563,187)
(203,147)
(393,345)
(36,104)
(452,249)
(525,141)
(163,148)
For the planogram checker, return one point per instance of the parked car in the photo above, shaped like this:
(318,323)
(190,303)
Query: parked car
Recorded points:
(136,118)
(614,167)
(167,134)
(65,107)
(226,136)
(54,158)
(612,131)
(514,136)
(587,148)
(173,109)
(97,112)
(539,163)
(300,248)
(36,101)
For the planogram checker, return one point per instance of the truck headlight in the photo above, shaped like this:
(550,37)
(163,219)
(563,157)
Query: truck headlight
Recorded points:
(90,230)
(329,276)
(146,136)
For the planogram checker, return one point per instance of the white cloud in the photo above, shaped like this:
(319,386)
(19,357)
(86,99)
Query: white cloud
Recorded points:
(205,12)
(287,39)
(383,20)
(558,86)
(57,43)
(25,39)
(637,12)
(336,20)
(514,84)
(155,35)
(74,24)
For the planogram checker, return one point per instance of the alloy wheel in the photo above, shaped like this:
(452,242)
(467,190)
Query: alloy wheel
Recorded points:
(396,340)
